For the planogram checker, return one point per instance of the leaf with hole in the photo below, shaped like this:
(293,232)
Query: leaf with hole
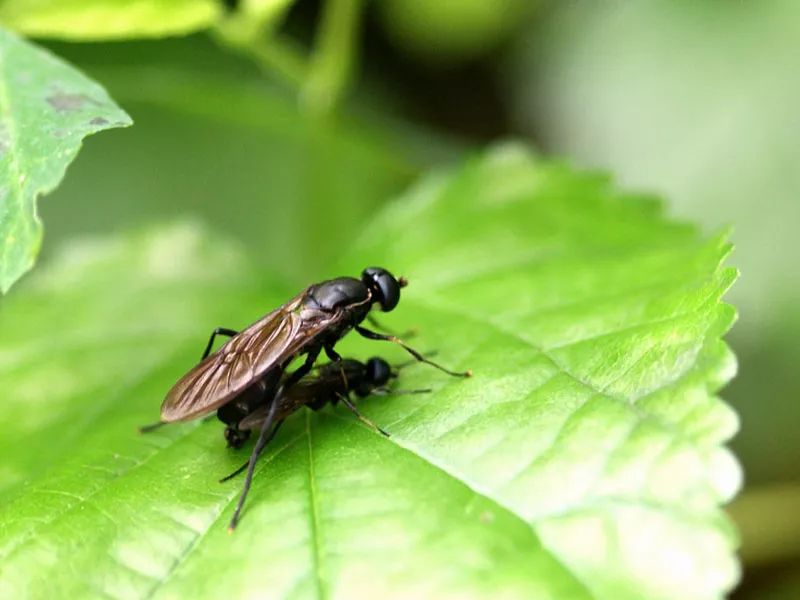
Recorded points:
(46,109)
(583,460)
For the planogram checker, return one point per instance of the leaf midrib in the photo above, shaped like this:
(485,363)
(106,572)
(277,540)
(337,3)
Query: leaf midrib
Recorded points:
(314,523)
(316,551)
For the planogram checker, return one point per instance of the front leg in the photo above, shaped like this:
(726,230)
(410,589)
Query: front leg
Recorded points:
(346,401)
(377,325)
(372,335)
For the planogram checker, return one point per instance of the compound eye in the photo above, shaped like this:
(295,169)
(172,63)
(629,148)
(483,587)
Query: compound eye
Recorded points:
(384,285)
(378,371)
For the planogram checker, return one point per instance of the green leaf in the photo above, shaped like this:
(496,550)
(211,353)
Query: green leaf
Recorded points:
(717,145)
(46,109)
(582,460)
(107,19)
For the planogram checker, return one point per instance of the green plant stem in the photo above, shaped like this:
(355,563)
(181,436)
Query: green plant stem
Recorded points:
(273,54)
(279,57)
(333,57)
(769,522)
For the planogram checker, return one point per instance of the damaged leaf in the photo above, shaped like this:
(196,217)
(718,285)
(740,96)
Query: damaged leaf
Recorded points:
(46,109)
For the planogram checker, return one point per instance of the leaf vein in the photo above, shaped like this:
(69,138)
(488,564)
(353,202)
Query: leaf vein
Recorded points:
(314,516)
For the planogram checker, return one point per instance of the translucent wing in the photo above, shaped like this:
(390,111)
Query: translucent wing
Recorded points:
(246,357)
(299,396)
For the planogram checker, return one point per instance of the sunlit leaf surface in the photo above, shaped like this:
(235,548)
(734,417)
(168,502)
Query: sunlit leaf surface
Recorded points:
(582,460)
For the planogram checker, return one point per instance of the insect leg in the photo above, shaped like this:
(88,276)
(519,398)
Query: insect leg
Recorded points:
(244,466)
(251,464)
(362,418)
(390,338)
(408,363)
(405,392)
(335,357)
(214,334)
(377,325)
(301,371)
(263,435)
(151,427)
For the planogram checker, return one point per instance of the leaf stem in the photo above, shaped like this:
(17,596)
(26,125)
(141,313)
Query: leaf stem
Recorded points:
(278,56)
(333,56)
(272,53)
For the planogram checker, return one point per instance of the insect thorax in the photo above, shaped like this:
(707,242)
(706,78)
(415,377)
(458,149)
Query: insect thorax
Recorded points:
(338,293)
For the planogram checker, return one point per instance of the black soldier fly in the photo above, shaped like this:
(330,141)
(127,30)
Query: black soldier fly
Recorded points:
(253,361)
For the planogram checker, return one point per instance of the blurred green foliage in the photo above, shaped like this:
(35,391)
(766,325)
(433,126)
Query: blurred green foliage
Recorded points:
(293,188)
(452,31)
(108,20)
